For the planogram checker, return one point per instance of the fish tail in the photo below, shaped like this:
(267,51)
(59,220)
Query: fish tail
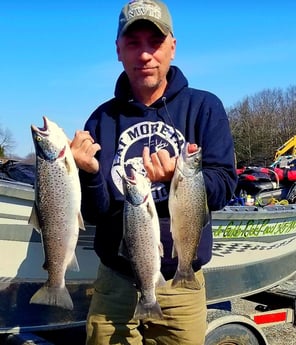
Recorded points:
(185,279)
(58,297)
(145,311)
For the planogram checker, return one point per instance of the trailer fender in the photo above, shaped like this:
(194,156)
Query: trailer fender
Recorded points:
(227,328)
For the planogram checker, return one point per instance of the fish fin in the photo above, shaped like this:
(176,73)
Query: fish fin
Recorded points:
(179,179)
(174,251)
(150,209)
(123,251)
(147,311)
(58,297)
(174,186)
(80,221)
(160,281)
(160,249)
(34,219)
(45,265)
(171,224)
(186,280)
(68,165)
(207,217)
(73,264)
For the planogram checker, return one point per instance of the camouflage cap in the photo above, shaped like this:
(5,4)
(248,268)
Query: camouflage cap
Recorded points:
(152,10)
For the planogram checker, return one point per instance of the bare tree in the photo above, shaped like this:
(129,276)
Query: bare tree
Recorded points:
(6,142)
(262,123)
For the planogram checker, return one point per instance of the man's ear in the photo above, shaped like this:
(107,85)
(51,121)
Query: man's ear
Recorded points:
(117,51)
(174,42)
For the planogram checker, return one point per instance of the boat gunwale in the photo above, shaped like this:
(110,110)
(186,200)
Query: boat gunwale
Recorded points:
(254,212)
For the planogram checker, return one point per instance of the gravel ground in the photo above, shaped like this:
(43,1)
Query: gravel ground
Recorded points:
(284,334)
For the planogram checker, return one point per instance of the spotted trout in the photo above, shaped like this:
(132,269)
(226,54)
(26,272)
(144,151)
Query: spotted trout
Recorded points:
(56,211)
(141,243)
(188,213)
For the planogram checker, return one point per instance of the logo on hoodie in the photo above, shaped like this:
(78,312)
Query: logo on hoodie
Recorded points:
(156,135)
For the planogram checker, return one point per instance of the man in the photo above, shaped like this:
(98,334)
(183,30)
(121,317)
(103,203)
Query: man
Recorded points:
(144,127)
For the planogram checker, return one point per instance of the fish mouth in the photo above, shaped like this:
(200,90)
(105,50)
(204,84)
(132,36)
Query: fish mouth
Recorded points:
(41,150)
(127,179)
(133,195)
(131,179)
(43,131)
(192,149)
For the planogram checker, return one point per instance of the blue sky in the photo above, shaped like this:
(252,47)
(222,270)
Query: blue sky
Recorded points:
(58,57)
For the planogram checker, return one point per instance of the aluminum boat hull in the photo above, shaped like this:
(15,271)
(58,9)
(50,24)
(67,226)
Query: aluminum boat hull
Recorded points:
(254,249)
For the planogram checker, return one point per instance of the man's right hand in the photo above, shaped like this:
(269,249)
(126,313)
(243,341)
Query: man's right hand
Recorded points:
(84,149)
(158,165)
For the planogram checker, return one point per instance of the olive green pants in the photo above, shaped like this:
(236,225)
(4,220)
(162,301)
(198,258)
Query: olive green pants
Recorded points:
(110,319)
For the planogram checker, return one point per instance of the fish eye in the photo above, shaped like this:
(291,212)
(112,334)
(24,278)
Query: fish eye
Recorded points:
(38,138)
(197,160)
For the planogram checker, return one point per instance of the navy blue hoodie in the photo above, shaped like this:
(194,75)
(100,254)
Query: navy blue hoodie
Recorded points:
(123,127)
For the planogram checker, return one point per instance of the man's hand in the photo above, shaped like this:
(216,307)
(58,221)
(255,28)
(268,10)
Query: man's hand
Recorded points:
(84,149)
(159,165)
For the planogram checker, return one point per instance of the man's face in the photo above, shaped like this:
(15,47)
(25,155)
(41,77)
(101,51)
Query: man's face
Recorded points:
(146,55)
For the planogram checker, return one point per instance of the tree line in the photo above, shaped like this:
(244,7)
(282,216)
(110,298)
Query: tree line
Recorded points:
(260,124)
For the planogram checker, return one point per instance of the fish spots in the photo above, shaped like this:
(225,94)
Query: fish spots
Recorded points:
(57,210)
(141,242)
(188,212)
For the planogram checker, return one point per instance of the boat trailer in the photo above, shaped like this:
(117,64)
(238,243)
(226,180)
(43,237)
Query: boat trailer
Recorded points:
(275,306)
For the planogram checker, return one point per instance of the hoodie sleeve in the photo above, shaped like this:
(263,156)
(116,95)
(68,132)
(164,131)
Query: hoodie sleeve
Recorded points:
(94,196)
(218,153)
(94,191)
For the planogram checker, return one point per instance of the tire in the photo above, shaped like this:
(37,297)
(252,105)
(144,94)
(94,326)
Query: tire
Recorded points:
(232,334)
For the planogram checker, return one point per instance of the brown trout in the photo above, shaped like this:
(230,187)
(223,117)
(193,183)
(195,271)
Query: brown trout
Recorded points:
(188,212)
(56,211)
(141,243)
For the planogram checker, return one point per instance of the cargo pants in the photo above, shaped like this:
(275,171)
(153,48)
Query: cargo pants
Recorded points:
(110,318)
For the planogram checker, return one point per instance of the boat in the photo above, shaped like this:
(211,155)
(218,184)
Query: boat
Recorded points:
(21,259)
(21,272)
(254,249)
(254,245)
